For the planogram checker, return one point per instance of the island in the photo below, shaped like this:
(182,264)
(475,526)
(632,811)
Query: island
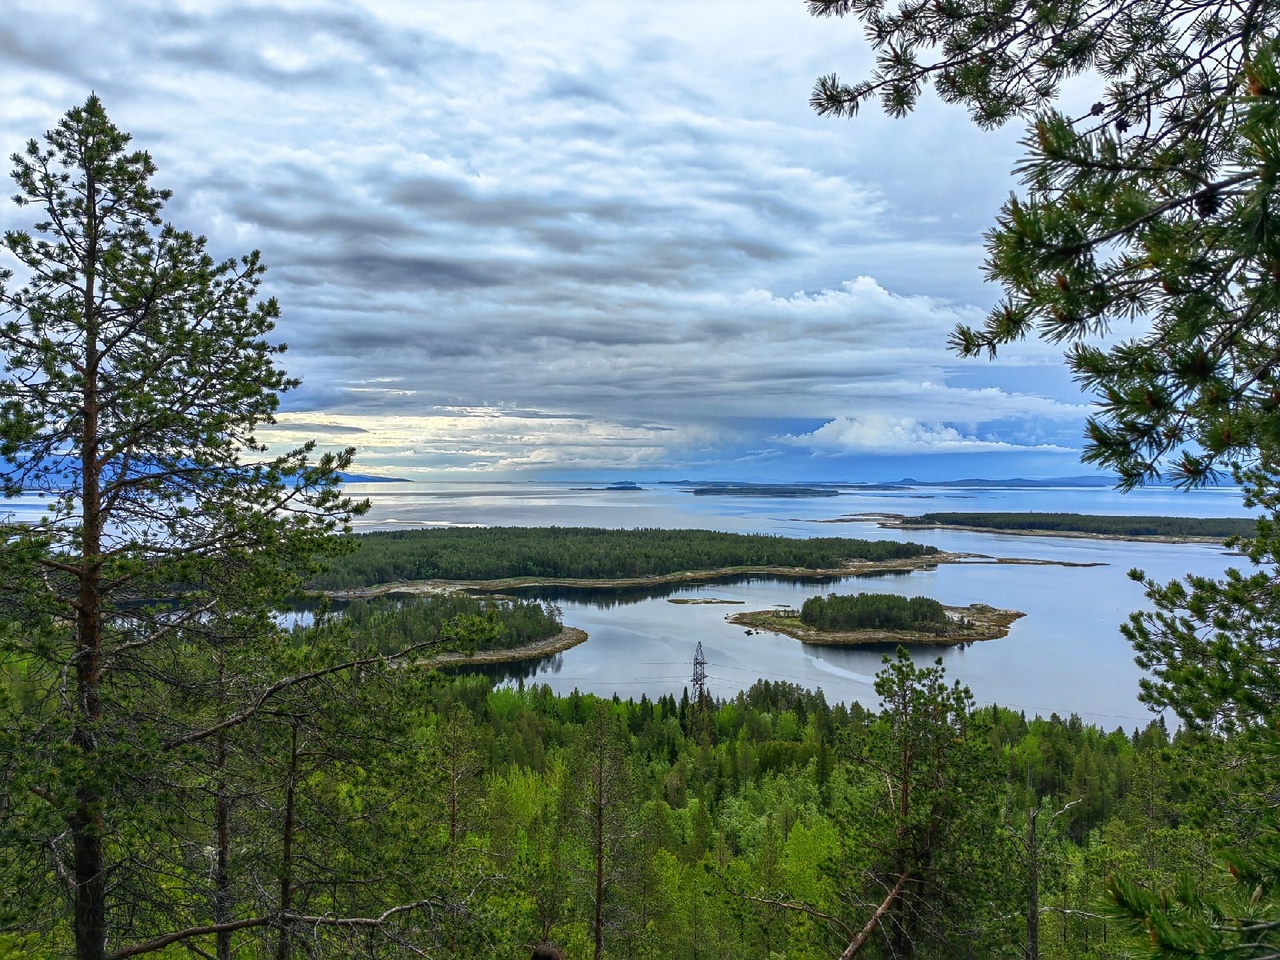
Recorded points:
(1087,526)
(763,490)
(521,556)
(449,628)
(876,618)
(497,559)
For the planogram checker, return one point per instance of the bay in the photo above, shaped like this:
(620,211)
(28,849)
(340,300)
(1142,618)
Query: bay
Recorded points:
(1065,656)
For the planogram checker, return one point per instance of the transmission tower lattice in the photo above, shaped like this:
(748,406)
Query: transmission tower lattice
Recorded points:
(699,681)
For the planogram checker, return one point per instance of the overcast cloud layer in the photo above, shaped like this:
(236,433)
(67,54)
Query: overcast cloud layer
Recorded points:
(601,238)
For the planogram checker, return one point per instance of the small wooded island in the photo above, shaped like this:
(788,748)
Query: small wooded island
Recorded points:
(869,618)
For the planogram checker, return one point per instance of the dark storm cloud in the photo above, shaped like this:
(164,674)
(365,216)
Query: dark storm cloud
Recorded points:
(456,204)
(332,224)
(389,270)
(39,50)
(314,428)
(229,41)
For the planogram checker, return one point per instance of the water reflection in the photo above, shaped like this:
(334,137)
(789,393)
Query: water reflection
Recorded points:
(1065,656)
(607,598)
(515,672)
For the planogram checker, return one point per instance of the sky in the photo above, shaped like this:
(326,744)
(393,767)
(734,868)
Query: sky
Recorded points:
(517,239)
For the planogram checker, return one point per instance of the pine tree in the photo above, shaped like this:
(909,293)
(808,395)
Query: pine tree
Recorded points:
(137,369)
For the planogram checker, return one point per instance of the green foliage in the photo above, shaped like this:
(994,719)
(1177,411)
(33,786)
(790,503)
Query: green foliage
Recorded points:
(929,802)
(1156,209)
(1185,920)
(494,553)
(1211,643)
(879,611)
(136,612)
(477,802)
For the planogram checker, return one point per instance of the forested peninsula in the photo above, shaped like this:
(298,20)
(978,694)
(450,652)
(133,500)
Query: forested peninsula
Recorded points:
(496,557)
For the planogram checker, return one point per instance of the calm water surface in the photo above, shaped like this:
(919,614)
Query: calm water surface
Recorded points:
(1065,656)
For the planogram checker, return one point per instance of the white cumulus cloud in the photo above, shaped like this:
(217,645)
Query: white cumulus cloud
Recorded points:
(880,434)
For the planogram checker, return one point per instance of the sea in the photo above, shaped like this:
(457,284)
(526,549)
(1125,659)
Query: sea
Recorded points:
(1066,656)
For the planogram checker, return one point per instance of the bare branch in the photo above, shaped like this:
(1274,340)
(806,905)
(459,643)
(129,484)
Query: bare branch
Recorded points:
(159,943)
(860,940)
(297,680)
(799,907)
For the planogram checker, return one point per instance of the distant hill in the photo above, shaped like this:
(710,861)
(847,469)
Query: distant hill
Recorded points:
(745,488)
(1091,480)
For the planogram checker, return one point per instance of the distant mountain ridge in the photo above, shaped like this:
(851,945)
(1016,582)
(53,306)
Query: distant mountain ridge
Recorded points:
(1090,480)
(366,478)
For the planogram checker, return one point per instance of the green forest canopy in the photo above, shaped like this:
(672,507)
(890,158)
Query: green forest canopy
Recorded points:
(477,797)
(873,611)
(494,553)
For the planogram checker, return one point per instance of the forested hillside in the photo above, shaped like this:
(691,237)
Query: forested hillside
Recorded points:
(757,826)
(494,553)
(768,824)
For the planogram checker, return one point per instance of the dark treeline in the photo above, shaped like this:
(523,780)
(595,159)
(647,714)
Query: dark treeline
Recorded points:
(389,624)
(494,553)
(874,611)
(1221,527)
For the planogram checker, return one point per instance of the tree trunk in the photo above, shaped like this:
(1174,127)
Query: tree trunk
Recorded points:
(86,821)
(222,842)
(860,941)
(286,855)
(1033,889)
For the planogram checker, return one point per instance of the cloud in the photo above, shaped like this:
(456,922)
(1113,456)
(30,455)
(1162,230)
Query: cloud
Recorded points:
(902,435)
(498,441)
(507,237)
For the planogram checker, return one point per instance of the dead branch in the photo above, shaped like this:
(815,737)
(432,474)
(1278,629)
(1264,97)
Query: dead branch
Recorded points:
(860,940)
